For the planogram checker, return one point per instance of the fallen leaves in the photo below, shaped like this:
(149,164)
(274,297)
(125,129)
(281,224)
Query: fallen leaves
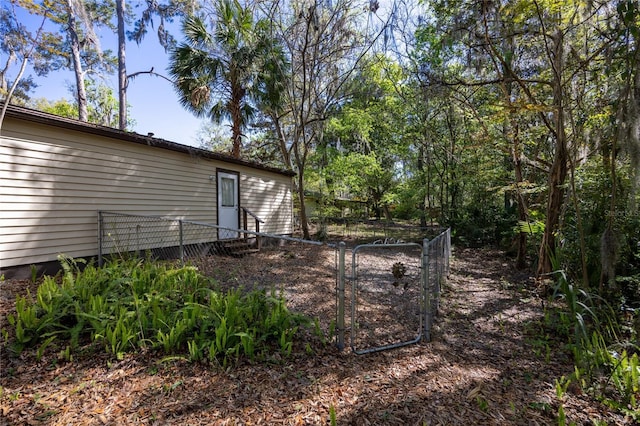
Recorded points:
(479,368)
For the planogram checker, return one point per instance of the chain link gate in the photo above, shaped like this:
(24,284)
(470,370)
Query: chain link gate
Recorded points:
(385,296)
(394,293)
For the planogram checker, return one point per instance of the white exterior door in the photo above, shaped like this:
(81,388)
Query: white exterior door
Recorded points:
(228,205)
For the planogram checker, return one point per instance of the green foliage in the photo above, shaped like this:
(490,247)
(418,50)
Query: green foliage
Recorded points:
(129,304)
(595,204)
(483,223)
(226,71)
(593,332)
(61,107)
(624,375)
(360,177)
(332,415)
(535,227)
(102,106)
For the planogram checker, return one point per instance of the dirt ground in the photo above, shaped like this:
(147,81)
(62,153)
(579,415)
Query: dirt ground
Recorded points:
(484,366)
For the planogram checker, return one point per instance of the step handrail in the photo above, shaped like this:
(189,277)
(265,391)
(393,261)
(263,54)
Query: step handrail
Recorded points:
(252,214)
(245,213)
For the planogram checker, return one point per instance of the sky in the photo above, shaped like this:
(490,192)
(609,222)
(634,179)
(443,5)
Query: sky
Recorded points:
(153,102)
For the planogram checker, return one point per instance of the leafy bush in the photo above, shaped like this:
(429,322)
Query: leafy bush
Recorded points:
(131,304)
(483,224)
(594,188)
(605,365)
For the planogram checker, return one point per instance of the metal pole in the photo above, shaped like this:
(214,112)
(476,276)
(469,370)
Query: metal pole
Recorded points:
(258,237)
(448,251)
(426,290)
(181,242)
(100,230)
(341,284)
(354,295)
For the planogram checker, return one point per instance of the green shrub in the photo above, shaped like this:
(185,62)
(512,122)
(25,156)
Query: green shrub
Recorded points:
(129,304)
(605,365)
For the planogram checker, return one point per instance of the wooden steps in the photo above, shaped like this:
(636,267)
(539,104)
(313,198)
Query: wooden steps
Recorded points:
(237,247)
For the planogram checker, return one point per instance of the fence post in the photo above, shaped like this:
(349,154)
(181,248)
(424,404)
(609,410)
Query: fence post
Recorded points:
(245,226)
(426,290)
(341,284)
(448,251)
(258,237)
(181,242)
(100,230)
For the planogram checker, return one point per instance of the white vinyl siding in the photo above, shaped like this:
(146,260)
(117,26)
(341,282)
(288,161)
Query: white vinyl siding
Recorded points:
(53,181)
(269,198)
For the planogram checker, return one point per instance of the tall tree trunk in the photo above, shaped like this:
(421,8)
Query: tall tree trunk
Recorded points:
(301,160)
(558,172)
(304,220)
(521,262)
(122,67)
(513,133)
(428,198)
(423,202)
(282,141)
(237,95)
(4,85)
(634,133)
(81,94)
(7,97)
(26,54)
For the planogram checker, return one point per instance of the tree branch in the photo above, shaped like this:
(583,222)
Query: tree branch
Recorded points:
(150,72)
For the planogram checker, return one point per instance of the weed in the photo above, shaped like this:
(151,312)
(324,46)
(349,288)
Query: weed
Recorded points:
(528,377)
(501,323)
(561,387)
(332,415)
(593,323)
(483,404)
(195,353)
(562,418)
(540,406)
(308,349)
(170,388)
(65,354)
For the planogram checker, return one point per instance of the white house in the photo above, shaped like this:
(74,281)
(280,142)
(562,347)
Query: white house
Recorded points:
(57,173)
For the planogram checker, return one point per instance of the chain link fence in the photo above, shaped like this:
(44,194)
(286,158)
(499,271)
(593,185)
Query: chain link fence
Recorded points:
(365,231)
(394,292)
(375,296)
(386,296)
(162,238)
(436,268)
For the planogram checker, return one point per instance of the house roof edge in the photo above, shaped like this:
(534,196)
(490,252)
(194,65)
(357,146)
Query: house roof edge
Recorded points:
(23,113)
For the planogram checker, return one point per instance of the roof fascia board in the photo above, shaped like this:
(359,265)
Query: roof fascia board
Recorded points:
(22,113)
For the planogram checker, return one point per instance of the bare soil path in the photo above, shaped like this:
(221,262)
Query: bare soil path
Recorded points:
(485,366)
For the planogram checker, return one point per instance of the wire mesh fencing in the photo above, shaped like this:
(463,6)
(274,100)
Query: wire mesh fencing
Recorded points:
(303,272)
(365,231)
(436,267)
(162,238)
(375,296)
(386,296)
(394,293)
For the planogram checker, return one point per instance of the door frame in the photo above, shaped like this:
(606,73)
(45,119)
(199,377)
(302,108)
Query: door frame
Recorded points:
(218,196)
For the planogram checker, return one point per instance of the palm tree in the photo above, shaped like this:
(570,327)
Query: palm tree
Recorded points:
(221,75)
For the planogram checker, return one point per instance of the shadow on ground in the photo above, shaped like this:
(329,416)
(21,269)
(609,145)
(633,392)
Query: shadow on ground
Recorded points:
(483,366)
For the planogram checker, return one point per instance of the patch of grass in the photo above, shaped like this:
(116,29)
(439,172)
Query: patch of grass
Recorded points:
(483,404)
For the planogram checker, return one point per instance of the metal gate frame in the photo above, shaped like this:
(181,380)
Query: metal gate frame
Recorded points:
(354,298)
(435,263)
